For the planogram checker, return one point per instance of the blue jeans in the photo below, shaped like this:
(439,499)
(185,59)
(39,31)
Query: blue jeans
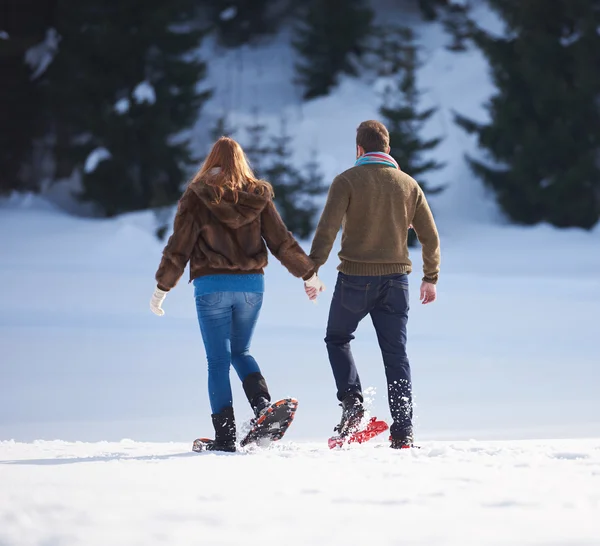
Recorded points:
(227,321)
(385,298)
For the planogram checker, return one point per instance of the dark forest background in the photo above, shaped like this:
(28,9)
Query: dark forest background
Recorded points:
(107,90)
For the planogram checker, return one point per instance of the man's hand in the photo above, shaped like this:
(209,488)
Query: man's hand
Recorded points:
(428,293)
(313,286)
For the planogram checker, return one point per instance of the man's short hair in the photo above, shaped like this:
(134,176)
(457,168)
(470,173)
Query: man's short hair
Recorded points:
(372,136)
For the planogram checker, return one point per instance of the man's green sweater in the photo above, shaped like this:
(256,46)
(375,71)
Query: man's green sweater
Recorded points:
(375,205)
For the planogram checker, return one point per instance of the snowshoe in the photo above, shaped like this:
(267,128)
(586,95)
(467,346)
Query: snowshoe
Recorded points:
(207,444)
(272,423)
(373,428)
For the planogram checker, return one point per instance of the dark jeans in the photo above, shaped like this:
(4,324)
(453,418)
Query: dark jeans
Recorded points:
(227,321)
(386,300)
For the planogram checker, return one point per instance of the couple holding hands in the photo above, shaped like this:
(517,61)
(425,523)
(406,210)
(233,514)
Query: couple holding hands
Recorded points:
(227,222)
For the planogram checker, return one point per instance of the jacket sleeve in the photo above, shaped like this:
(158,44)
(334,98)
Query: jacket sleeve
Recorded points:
(338,199)
(282,244)
(425,228)
(180,245)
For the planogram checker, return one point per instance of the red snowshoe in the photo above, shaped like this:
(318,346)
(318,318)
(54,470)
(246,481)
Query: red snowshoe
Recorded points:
(372,429)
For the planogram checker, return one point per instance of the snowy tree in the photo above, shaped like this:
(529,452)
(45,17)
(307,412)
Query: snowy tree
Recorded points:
(330,36)
(458,25)
(430,8)
(295,188)
(453,15)
(222,128)
(257,149)
(24,55)
(402,116)
(237,22)
(125,81)
(543,138)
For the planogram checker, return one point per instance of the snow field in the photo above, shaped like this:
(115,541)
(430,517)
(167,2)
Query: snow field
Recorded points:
(447,493)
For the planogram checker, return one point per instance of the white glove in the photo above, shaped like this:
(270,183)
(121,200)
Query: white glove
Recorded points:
(155,303)
(313,286)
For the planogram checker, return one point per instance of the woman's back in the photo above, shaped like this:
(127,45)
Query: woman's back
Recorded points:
(227,237)
(225,221)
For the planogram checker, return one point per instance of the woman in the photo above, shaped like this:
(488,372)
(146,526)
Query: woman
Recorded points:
(223,221)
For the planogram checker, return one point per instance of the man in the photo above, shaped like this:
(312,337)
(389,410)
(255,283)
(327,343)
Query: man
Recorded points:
(377,204)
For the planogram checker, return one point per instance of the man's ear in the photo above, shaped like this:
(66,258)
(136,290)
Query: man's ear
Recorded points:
(359,151)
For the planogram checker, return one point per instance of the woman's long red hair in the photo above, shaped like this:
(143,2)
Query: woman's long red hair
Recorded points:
(226,168)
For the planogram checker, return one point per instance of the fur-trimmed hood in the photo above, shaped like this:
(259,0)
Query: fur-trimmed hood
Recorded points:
(247,209)
(228,237)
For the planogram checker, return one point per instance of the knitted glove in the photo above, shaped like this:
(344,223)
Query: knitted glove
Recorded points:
(312,284)
(155,303)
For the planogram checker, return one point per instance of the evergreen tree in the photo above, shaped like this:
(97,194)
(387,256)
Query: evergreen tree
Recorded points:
(295,189)
(257,150)
(386,53)
(24,25)
(405,121)
(430,8)
(544,133)
(454,17)
(237,22)
(221,129)
(330,33)
(458,25)
(122,91)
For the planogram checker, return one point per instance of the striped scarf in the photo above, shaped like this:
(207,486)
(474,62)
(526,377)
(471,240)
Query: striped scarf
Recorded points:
(377,158)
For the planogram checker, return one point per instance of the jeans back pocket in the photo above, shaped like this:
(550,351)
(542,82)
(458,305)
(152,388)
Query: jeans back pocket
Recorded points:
(354,295)
(207,300)
(395,298)
(253,298)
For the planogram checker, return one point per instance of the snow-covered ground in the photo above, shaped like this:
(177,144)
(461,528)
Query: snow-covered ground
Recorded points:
(100,399)
(526,493)
(505,368)
(508,351)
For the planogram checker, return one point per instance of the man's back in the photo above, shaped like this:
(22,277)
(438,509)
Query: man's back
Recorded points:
(376,204)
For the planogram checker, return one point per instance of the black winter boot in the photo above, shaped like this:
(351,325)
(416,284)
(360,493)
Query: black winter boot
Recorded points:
(255,387)
(224,423)
(352,414)
(402,441)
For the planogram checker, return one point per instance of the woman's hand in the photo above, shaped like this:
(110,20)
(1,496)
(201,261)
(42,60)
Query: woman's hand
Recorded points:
(313,286)
(156,302)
